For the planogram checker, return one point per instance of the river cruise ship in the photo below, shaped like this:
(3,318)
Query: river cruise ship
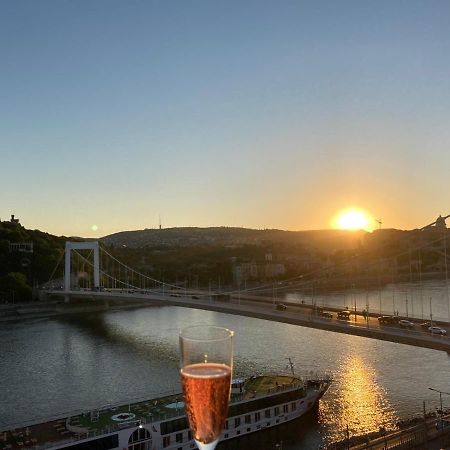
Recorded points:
(257,403)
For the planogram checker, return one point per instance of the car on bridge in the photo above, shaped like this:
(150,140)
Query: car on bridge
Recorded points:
(437,330)
(326,314)
(344,315)
(388,320)
(406,323)
(281,307)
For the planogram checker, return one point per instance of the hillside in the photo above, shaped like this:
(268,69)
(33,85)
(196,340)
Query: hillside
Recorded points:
(27,258)
(231,237)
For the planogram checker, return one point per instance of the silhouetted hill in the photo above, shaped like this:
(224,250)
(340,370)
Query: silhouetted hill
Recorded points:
(230,236)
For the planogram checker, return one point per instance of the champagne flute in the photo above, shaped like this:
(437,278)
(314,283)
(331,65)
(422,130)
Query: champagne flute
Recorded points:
(206,366)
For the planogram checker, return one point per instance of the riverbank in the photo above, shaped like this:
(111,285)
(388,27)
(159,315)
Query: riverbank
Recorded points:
(53,308)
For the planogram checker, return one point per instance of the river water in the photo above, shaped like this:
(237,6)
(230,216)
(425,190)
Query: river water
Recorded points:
(54,366)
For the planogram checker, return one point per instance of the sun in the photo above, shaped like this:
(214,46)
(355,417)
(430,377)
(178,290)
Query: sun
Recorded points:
(353,219)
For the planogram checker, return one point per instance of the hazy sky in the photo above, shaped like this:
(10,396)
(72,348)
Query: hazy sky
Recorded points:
(240,113)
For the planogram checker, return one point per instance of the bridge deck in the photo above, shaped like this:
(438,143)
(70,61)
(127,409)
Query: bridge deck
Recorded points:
(263,308)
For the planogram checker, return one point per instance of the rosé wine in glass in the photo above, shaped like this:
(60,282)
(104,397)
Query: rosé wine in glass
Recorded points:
(206,367)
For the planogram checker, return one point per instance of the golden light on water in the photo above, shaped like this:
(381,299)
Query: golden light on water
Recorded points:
(353,219)
(359,402)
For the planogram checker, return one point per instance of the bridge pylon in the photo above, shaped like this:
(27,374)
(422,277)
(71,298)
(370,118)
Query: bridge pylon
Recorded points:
(91,245)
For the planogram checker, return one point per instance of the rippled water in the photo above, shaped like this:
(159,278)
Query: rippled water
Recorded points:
(71,363)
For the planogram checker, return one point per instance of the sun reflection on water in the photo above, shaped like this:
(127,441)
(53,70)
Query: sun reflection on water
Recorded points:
(357,401)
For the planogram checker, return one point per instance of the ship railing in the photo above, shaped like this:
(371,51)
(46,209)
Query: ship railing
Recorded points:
(72,439)
(73,413)
(316,375)
(275,390)
(93,433)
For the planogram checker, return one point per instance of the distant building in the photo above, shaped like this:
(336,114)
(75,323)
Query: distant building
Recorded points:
(13,220)
(274,270)
(440,223)
(23,247)
(245,271)
(252,271)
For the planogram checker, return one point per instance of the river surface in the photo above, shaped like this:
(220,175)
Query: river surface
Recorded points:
(50,367)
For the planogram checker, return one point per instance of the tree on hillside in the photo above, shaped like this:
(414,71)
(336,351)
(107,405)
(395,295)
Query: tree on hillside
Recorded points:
(14,286)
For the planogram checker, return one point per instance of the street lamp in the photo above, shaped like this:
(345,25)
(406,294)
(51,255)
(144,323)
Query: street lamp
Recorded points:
(440,400)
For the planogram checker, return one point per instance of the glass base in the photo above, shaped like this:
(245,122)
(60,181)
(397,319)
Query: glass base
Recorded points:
(210,446)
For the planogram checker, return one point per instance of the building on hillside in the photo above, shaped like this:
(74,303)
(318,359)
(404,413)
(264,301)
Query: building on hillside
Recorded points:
(23,247)
(245,271)
(256,271)
(274,270)
(440,223)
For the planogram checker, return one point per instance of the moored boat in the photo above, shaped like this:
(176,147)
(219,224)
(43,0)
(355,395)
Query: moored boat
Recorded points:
(257,403)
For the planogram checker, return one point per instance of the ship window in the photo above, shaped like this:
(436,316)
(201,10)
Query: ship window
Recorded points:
(248,418)
(237,422)
(248,430)
(139,435)
(225,436)
(293,406)
(267,413)
(267,424)
(278,420)
(179,437)
(285,408)
(276,411)
(166,441)
(258,427)
(173,426)
(238,432)
(104,443)
(257,417)
(189,435)
(264,403)
(226,425)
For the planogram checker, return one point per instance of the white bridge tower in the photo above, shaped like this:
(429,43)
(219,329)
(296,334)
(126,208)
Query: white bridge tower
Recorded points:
(93,245)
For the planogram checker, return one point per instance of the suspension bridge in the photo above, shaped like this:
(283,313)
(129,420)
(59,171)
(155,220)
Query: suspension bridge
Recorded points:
(92,271)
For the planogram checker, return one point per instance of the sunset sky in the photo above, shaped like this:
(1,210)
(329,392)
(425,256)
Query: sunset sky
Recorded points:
(239,113)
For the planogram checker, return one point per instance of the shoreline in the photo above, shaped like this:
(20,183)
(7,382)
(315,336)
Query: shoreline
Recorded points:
(43,310)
